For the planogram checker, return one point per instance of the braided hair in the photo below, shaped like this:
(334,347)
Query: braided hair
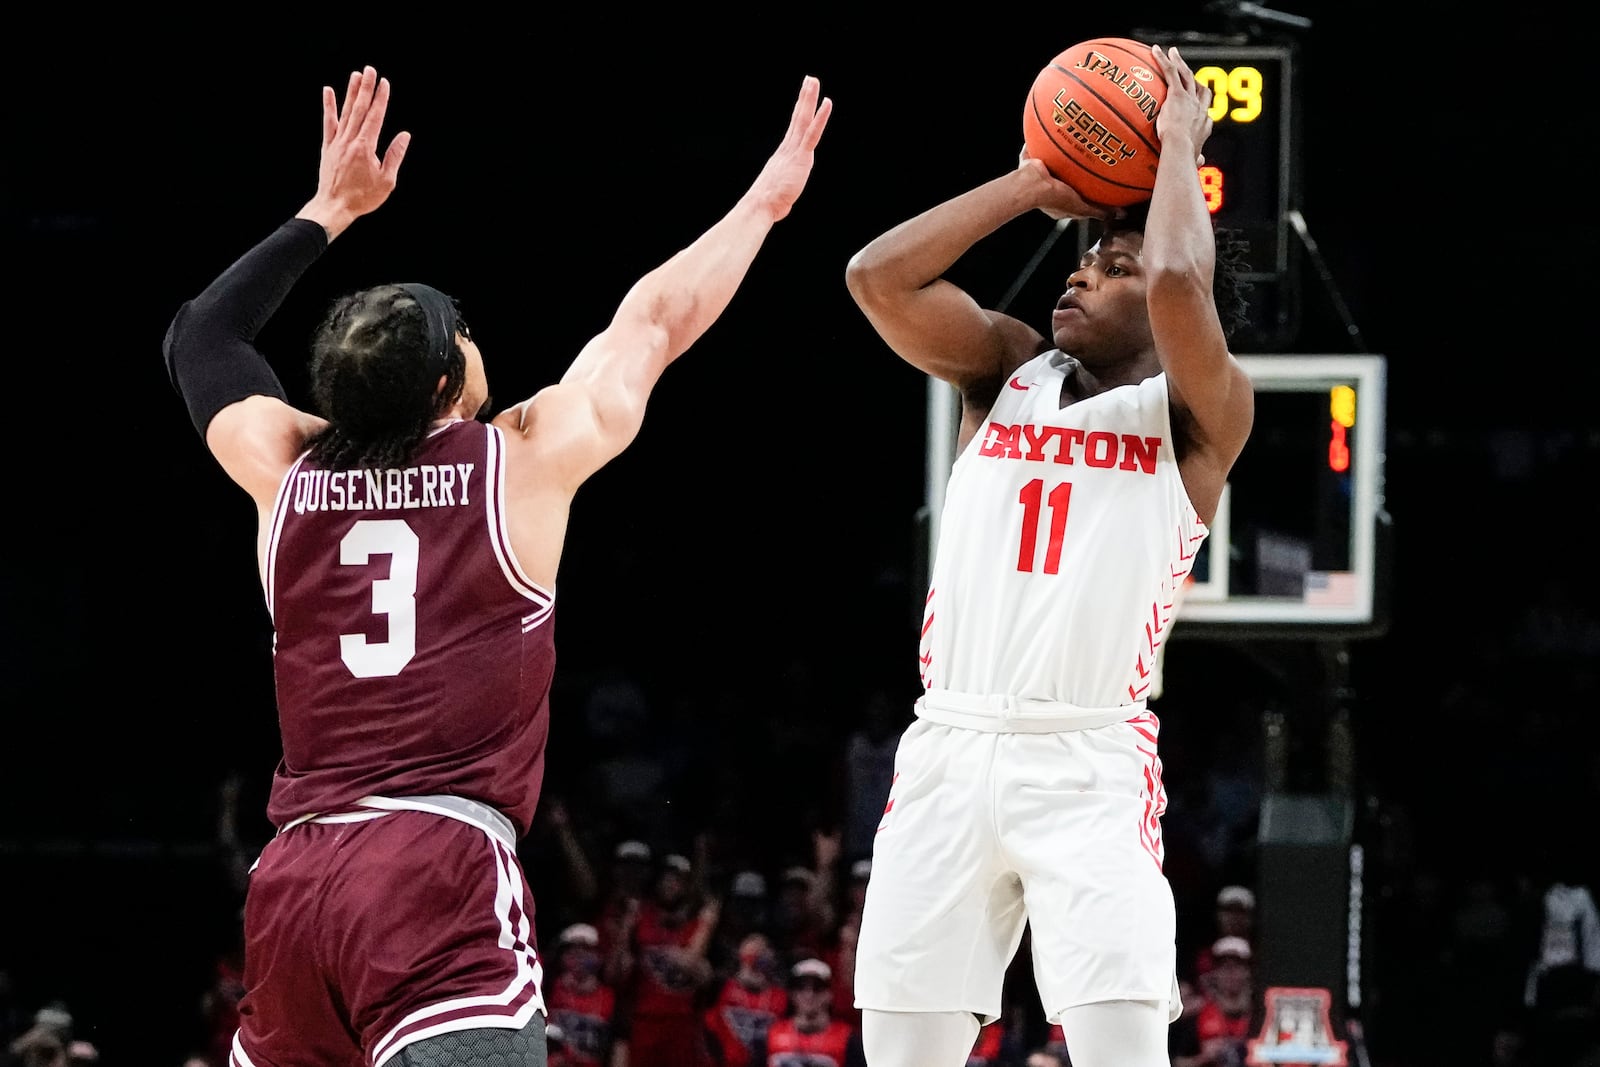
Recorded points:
(373,380)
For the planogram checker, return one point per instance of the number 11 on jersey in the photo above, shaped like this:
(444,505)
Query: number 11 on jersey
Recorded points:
(1034,502)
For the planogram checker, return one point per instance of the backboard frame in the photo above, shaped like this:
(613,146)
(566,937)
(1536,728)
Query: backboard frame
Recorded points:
(1211,608)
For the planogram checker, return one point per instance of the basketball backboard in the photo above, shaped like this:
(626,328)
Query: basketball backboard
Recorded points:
(1298,542)
(1298,545)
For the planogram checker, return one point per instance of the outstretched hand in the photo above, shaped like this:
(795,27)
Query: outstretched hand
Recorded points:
(351,179)
(784,176)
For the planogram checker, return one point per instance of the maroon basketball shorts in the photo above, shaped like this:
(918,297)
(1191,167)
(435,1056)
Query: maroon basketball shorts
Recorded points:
(390,926)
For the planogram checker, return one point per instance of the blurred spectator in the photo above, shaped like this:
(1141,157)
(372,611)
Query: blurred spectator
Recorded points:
(745,913)
(580,882)
(809,1035)
(869,752)
(1234,917)
(1183,1036)
(49,1042)
(1561,991)
(844,972)
(1048,1056)
(747,1005)
(805,915)
(219,1003)
(238,850)
(843,957)
(1221,1032)
(1569,936)
(661,969)
(579,1002)
(855,893)
(799,929)
(216,1015)
(558,1051)
(627,885)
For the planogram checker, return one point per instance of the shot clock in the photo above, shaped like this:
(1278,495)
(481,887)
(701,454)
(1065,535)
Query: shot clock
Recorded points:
(1248,176)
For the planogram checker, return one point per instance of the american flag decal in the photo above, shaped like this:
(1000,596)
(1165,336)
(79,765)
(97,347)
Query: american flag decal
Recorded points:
(1330,589)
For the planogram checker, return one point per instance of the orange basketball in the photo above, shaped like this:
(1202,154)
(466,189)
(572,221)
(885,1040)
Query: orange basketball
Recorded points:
(1091,119)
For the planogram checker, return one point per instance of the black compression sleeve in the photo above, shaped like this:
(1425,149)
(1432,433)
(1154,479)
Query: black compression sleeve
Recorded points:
(210,344)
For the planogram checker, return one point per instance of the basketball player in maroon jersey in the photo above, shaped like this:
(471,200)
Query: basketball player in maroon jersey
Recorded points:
(408,548)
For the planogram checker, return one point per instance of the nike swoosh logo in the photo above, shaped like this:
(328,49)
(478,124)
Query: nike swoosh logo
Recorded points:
(1013,383)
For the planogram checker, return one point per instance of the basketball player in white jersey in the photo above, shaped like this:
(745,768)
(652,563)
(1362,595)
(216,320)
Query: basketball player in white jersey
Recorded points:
(1028,789)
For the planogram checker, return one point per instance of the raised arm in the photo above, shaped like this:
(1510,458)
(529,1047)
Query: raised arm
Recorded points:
(597,408)
(1211,392)
(234,399)
(898,279)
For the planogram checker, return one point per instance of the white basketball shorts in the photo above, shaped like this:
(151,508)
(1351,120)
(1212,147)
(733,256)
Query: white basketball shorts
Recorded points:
(985,831)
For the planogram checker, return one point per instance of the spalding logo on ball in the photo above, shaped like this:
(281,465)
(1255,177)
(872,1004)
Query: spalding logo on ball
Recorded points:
(1091,119)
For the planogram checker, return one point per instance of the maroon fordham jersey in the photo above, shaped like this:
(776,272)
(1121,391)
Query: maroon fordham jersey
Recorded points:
(412,656)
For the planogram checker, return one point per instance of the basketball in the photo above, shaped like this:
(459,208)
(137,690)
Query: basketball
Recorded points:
(1091,119)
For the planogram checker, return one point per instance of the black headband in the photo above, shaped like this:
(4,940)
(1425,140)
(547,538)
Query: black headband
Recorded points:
(441,314)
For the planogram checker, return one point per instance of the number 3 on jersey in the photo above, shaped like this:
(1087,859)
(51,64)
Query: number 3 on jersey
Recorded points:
(1034,502)
(394,597)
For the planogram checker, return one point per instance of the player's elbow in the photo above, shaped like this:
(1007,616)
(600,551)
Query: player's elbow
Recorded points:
(870,281)
(858,273)
(171,342)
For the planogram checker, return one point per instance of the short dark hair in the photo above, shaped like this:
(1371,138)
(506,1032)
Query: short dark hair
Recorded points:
(1230,290)
(371,379)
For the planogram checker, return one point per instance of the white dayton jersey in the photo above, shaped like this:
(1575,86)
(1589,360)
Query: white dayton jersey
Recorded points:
(1064,541)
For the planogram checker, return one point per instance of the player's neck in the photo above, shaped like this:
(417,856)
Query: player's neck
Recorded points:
(1083,381)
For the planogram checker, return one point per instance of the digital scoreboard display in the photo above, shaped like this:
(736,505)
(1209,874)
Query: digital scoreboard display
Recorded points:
(1248,173)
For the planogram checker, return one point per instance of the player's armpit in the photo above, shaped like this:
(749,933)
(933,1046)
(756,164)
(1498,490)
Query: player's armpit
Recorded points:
(257,439)
(565,433)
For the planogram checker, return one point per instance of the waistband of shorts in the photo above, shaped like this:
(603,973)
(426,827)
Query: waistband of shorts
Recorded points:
(460,809)
(1001,713)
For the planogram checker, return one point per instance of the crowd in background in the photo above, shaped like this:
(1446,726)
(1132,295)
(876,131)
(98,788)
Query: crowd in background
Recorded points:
(697,903)
(735,807)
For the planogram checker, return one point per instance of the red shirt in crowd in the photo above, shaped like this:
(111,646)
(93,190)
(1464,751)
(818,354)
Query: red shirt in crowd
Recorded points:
(788,1047)
(662,986)
(741,1019)
(586,1017)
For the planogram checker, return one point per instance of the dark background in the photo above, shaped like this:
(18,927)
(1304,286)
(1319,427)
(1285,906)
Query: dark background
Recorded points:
(767,510)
